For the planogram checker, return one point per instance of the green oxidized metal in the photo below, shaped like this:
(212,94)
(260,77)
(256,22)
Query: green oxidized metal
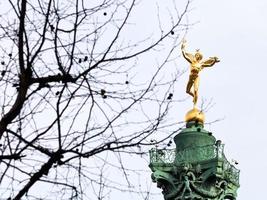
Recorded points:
(196,169)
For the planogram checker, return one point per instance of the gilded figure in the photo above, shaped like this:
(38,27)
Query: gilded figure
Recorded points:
(196,65)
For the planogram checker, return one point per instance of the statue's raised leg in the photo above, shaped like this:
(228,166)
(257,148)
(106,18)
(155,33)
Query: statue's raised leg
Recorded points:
(188,88)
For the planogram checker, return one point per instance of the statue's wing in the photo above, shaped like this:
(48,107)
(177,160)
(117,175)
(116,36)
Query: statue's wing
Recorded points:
(209,62)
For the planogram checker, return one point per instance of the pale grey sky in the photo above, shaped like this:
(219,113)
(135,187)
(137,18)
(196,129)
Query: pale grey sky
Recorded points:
(236,32)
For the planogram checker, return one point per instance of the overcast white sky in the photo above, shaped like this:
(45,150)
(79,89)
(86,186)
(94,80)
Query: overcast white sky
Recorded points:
(236,32)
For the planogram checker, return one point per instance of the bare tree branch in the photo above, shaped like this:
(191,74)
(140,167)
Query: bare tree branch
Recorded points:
(86,86)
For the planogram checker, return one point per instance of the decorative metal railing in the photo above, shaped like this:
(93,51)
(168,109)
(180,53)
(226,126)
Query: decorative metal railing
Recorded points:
(193,155)
(162,156)
(231,172)
(196,154)
(188,155)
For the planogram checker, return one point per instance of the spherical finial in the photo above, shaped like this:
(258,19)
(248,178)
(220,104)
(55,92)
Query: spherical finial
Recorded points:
(195,115)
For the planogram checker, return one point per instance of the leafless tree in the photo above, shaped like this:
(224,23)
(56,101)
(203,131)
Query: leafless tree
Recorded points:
(75,95)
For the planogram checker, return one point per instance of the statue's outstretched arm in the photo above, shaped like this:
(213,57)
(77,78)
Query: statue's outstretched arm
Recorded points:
(188,56)
(210,62)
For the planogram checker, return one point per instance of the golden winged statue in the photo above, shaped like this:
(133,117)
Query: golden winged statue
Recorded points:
(196,65)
